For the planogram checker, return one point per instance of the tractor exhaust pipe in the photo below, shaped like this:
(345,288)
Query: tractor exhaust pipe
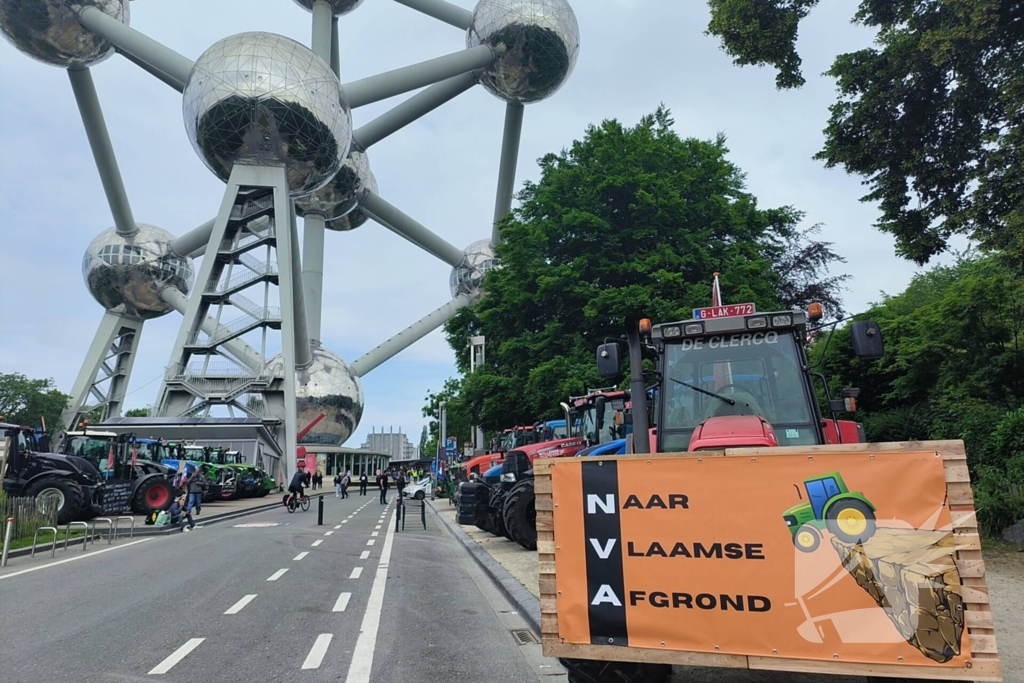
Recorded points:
(637,389)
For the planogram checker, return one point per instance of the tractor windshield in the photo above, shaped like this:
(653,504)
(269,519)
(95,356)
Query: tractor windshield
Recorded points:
(94,449)
(740,374)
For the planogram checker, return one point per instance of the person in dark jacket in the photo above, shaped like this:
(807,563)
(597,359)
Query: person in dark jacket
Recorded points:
(196,487)
(382,484)
(179,513)
(363,479)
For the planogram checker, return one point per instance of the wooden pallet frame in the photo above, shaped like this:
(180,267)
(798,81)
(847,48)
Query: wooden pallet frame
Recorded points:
(985,665)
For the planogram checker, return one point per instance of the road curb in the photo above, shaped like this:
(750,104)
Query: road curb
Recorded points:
(149,531)
(522,599)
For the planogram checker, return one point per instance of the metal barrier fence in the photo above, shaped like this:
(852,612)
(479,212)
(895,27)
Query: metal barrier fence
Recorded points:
(401,504)
(29,514)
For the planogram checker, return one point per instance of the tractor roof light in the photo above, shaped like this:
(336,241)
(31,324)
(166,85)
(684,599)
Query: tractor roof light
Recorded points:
(694,328)
(672,331)
(782,320)
(814,312)
(757,323)
(645,326)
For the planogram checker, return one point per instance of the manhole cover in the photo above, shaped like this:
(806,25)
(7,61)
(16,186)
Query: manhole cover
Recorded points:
(257,525)
(524,636)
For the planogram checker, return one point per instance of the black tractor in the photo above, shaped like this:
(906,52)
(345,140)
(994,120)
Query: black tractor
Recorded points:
(70,483)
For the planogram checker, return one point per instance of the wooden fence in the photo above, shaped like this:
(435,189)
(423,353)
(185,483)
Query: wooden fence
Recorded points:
(29,514)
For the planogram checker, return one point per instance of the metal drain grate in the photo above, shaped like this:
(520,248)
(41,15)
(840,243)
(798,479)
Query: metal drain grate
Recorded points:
(524,636)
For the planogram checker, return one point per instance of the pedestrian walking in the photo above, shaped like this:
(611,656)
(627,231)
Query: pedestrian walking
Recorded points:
(400,484)
(337,486)
(179,513)
(346,479)
(196,486)
(362,484)
(382,484)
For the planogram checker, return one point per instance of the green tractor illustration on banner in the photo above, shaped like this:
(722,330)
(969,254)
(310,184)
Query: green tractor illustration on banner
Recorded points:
(848,515)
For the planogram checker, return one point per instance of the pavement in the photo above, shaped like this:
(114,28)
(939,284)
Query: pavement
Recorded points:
(268,597)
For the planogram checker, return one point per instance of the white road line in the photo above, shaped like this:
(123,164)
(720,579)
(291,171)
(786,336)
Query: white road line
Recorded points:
(345,522)
(277,575)
(342,602)
(375,534)
(362,656)
(72,559)
(356,573)
(364,555)
(370,542)
(328,533)
(300,556)
(319,649)
(377,527)
(316,543)
(338,527)
(176,656)
(237,607)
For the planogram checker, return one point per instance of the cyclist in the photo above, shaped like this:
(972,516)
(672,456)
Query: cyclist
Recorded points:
(299,479)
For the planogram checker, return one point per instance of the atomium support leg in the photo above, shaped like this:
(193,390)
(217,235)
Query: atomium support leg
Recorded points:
(412,109)
(102,150)
(335,48)
(394,220)
(106,370)
(255,216)
(175,67)
(409,336)
(385,85)
(443,11)
(507,167)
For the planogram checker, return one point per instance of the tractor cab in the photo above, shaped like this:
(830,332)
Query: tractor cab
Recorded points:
(601,416)
(733,377)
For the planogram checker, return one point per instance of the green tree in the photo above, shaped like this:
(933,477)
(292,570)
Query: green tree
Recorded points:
(137,412)
(26,401)
(929,115)
(459,421)
(627,222)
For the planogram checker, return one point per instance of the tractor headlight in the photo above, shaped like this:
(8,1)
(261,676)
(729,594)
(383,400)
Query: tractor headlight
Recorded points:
(508,478)
(790,520)
(694,328)
(756,323)
(670,332)
(782,320)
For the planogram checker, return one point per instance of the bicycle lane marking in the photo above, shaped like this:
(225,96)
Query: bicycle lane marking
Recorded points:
(362,656)
(176,656)
(73,559)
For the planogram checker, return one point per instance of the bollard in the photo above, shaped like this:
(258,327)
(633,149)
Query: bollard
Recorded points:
(423,513)
(320,512)
(7,541)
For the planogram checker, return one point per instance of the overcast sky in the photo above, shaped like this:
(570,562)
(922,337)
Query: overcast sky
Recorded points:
(442,170)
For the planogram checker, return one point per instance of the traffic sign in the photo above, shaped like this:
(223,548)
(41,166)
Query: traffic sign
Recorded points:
(729,311)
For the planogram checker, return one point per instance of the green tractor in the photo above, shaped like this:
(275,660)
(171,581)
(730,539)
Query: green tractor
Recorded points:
(848,515)
(251,480)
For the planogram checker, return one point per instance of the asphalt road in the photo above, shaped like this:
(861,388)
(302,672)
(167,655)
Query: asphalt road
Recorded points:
(284,601)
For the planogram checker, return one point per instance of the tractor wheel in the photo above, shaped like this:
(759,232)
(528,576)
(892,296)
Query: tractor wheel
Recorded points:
(851,520)
(807,538)
(155,493)
(520,514)
(64,494)
(595,671)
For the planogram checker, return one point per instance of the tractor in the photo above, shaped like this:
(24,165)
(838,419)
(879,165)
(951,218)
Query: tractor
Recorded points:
(70,483)
(848,515)
(600,416)
(116,456)
(730,378)
(197,458)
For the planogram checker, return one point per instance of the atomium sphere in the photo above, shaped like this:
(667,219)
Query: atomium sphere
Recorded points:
(339,7)
(261,99)
(327,386)
(126,274)
(467,277)
(354,218)
(541,40)
(343,193)
(48,30)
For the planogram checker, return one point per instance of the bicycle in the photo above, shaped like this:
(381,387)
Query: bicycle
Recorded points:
(302,502)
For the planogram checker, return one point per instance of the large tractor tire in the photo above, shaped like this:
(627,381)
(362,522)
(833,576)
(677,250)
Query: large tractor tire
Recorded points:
(152,495)
(851,520)
(66,496)
(595,671)
(520,514)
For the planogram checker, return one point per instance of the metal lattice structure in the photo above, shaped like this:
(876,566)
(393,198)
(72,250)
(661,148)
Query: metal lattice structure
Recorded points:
(273,119)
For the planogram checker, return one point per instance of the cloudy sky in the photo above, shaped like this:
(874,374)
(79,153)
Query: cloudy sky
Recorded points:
(442,170)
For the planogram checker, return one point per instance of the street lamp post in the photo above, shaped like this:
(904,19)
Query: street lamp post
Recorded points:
(477,347)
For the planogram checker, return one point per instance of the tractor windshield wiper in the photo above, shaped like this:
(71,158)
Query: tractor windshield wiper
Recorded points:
(705,391)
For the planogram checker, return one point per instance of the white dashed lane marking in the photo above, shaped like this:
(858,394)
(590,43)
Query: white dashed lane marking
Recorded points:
(277,575)
(317,652)
(363,555)
(356,573)
(342,602)
(370,542)
(176,656)
(316,543)
(300,556)
(238,606)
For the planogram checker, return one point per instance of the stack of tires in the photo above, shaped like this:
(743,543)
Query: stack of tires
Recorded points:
(519,513)
(466,512)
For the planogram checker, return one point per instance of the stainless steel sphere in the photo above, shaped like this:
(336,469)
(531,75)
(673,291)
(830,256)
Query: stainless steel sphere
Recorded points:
(48,30)
(263,99)
(343,193)
(542,42)
(468,277)
(126,274)
(327,386)
(339,7)
(354,218)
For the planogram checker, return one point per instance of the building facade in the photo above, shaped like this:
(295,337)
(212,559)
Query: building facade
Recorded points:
(392,443)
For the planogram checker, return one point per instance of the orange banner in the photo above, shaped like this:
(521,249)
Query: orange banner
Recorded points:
(838,557)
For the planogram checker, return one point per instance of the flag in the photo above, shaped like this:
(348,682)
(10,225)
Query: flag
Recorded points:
(720,371)
(110,458)
(135,454)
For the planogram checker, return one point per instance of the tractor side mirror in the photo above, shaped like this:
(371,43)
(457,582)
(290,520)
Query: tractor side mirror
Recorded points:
(609,361)
(867,340)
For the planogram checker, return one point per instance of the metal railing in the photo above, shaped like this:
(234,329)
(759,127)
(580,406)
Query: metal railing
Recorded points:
(401,506)
(237,327)
(35,540)
(110,528)
(131,529)
(85,536)
(243,278)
